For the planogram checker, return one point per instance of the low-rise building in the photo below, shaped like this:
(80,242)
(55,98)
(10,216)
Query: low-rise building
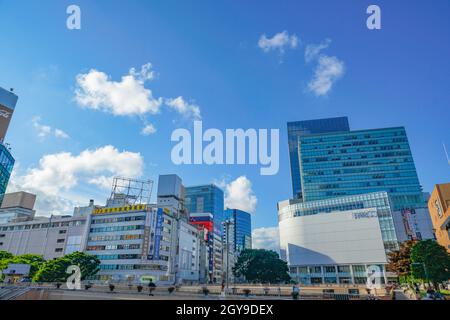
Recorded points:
(439,206)
(51,237)
(17,206)
(336,240)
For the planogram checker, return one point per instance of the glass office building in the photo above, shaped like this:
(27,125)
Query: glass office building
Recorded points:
(242,228)
(6,167)
(207,199)
(298,129)
(358,162)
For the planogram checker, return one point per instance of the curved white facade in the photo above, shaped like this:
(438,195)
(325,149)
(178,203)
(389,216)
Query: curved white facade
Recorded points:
(339,238)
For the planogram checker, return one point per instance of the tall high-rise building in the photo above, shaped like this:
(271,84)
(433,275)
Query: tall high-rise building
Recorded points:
(205,205)
(358,162)
(298,129)
(207,199)
(171,192)
(8,102)
(241,229)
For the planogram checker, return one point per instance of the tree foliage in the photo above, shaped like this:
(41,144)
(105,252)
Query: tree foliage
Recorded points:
(399,260)
(262,266)
(34,260)
(55,270)
(430,261)
(5,255)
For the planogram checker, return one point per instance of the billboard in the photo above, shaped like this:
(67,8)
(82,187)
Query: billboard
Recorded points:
(158,233)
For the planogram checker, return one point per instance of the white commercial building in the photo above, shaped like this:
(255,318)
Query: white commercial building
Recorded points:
(50,237)
(337,240)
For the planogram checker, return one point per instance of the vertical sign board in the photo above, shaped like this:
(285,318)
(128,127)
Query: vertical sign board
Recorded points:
(146,244)
(158,233)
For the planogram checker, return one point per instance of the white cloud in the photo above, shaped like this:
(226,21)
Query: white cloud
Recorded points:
(96,90)
(327,72)
(239,195)
(44,131)
(61,134)
(188,110)
(312,51)
(63,171)
(280,42)
(266,238)
(149,129)
(46,204)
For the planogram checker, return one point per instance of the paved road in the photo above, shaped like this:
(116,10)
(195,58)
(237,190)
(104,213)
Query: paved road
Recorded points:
(399,295)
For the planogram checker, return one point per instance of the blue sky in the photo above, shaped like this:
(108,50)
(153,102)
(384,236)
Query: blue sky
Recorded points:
(207,52)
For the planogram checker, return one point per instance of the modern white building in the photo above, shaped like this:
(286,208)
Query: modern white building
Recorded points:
(336,240)
(189,254)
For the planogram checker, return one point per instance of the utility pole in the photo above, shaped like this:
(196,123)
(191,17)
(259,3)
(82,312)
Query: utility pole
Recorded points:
(446,153)
(227,224)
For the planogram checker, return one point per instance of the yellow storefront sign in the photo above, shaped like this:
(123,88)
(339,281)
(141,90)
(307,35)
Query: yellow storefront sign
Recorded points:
(130,208)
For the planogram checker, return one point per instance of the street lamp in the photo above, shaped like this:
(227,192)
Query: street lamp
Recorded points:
(227,224)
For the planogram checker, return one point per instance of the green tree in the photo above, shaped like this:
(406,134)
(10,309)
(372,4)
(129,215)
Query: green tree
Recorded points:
(55,270)
(400,260)
(262,266)
(34,260)
(430,262)
(5,255)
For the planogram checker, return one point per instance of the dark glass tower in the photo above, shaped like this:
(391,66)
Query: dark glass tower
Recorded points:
(242,228)
(8,102)
(207,199)
(359,162)
(298,129)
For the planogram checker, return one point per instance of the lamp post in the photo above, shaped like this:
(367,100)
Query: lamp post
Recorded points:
(227,224)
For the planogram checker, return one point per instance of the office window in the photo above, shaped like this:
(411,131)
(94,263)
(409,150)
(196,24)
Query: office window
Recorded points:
(330,269)
(60,240)
(62,231)
(59,250)
(343,269)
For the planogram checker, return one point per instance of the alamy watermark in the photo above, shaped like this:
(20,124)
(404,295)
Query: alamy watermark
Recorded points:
(374,275)
(73,22)
(73,282)
(236,146)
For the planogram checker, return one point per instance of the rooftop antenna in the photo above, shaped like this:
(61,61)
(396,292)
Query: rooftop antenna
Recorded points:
(446,153)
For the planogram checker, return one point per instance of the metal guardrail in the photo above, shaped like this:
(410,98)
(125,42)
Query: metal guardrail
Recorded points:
(245,290)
